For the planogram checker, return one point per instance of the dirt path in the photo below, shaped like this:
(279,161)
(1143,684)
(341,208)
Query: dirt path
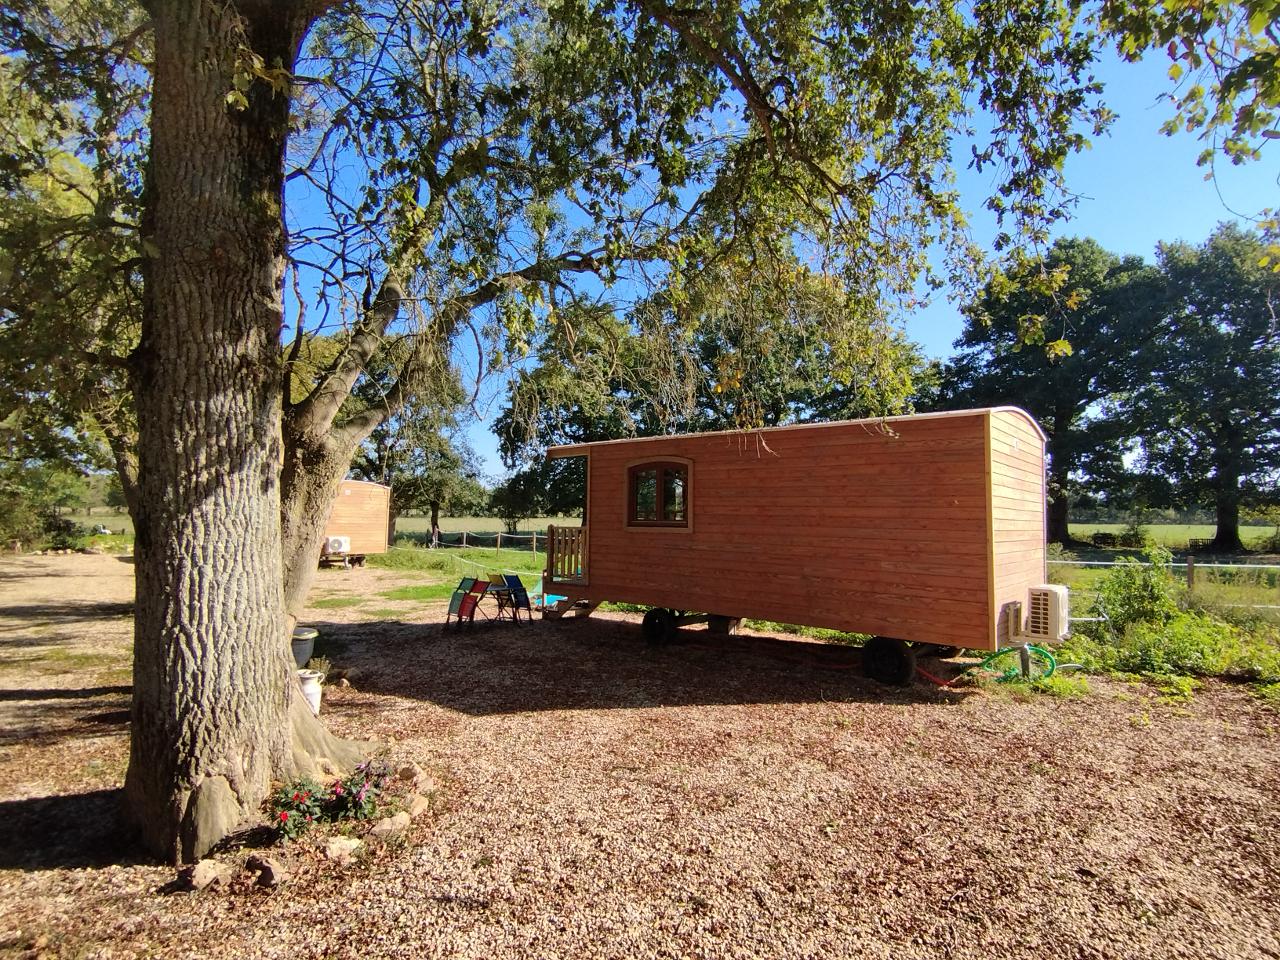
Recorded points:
(751,797)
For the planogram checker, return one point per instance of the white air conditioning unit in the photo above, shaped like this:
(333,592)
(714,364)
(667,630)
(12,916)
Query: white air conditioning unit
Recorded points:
(1047,620)
(337,544)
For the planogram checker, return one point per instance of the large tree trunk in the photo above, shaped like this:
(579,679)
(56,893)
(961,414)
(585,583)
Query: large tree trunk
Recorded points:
(1228,455)
(216,714)
(1226,538)
(314,465)
(1059,512)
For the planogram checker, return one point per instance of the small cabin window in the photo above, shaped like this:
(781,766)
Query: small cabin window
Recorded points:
(659,495)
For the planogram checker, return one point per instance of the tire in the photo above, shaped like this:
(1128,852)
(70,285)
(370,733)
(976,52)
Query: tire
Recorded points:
(890,661)
(936,651)
(659,627)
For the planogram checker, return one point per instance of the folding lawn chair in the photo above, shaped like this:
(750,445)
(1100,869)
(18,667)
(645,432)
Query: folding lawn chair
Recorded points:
(472,604)
(459,606)
(517,596)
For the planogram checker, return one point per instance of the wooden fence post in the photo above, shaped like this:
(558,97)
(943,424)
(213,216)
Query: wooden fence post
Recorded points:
(1191,572)
(535,545)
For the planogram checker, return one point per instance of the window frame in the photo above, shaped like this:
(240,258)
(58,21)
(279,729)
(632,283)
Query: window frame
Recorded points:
(660,465)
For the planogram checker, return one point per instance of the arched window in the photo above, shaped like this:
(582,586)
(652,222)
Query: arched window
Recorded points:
(658,494)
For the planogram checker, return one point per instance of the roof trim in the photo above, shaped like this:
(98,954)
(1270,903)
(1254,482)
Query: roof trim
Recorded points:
(579,449)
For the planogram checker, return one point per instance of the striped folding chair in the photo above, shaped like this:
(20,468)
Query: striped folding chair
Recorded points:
(471,602)
(517,597)
(458,601)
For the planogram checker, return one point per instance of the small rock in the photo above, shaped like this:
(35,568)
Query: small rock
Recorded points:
(271,872)
(205,873)
(409,772)
(418,805)
(342,849)
(94,550)
(424,784)
(390,826)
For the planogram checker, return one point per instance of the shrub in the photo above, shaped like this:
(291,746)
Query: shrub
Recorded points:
(298,806)
(1189,643)
(61,533)
(1137,593)
(1134,534)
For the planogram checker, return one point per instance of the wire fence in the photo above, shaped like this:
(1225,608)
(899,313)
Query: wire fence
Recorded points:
(535,541)
(1254,586)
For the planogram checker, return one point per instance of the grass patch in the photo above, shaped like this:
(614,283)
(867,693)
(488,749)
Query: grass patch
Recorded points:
(385,613)
(421,592)
(112,543)
(1268,693)
(337,603)
(1175,535)
(451,562)
(813,633)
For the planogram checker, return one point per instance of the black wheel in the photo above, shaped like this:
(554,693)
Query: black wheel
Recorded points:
(936,650)
(659,627)
(889,661)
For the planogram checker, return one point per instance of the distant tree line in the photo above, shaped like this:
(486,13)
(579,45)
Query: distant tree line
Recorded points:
(1158,384)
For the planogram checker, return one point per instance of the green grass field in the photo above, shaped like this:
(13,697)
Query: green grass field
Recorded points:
(1173,535)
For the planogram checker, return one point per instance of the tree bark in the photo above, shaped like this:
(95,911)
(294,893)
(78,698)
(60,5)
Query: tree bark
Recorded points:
(315,463)
(1059,512)
(1228,456)
(216,711)
(1226,538)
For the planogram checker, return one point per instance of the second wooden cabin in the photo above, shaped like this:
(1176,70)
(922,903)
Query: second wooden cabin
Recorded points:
(926,529)
(359,523)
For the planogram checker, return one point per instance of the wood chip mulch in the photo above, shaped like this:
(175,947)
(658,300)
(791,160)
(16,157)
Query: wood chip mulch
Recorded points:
(743,797)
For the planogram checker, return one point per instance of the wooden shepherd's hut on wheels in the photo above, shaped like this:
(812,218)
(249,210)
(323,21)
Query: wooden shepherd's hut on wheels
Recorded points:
(359,523)
(926,529)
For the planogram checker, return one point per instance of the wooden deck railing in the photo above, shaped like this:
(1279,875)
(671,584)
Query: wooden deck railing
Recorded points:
(566,555)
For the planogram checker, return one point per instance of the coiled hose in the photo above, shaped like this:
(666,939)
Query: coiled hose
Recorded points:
(1019,670)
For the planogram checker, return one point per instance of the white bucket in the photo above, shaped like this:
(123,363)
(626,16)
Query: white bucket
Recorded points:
(304,643)
(311,688)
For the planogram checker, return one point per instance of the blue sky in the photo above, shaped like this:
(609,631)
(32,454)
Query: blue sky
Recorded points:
(1137,186)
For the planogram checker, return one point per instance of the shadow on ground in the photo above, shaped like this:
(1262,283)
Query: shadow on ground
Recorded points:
(65,612)
(47,716)
(68,831)
(597,663)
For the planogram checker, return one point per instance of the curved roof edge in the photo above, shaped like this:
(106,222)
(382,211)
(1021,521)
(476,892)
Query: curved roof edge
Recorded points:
(1009,408)
(369,483)
(572,449)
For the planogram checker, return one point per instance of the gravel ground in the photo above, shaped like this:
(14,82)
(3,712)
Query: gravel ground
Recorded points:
(739,797)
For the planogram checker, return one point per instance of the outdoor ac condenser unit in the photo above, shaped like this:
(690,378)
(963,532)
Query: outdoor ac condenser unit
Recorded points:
(1047,614)
(337,545)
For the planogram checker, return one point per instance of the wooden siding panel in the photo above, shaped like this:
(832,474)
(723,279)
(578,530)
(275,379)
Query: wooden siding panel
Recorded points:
(1018,517)
(361,511)
(843,526)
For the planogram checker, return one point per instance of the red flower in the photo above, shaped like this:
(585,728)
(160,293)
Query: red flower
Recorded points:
(284,816)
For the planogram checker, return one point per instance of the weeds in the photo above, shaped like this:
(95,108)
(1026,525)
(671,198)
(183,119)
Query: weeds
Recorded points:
(1152,627)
